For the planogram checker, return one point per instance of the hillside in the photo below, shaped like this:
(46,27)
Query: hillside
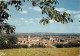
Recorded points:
(40,52)
(75,36)
(46,34)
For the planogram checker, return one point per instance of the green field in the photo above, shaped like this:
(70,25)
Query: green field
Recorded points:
(40,52)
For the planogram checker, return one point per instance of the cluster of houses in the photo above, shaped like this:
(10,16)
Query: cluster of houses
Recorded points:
(48,42)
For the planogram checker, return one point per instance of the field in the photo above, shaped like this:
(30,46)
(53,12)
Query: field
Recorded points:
(40,52)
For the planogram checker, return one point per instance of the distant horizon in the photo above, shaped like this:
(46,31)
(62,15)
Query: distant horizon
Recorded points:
(45,32)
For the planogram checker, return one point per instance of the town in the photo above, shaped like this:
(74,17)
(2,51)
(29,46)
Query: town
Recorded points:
(48,42)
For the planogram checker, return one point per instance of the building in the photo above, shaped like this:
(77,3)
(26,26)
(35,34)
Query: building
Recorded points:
(27,40)
(54,39)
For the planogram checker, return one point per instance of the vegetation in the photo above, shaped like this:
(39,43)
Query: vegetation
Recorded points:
(40,52)
(7,42)
(37,46)
(72,45)
(68,45)
(47,7)
(20,46)
(59,45)
(26,46)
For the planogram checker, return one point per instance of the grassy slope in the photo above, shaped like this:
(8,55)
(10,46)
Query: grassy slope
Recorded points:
(40,52)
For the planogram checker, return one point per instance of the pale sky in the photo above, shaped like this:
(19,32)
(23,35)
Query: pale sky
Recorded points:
(27,20)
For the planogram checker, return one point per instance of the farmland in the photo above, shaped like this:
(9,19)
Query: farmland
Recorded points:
(40,52)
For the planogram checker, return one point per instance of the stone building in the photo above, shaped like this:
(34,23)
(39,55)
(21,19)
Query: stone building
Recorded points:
(27,40)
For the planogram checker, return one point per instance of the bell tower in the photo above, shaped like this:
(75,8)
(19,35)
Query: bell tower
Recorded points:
(28,38)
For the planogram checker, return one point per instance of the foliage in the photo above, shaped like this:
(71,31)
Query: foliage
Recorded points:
(67,45)
(72,45)
(47,7)
(24,46)
(58,45)
(6,28)
(7,42)
(37,46)
(19,46)
(44,21)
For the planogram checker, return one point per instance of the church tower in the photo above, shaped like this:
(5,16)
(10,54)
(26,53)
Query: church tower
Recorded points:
(28,38)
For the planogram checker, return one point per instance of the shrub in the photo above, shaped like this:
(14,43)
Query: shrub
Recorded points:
(58,45)
(72,45)
(37,46)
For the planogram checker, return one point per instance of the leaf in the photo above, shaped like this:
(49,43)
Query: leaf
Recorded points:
(33,3)
(69,19)
(44,21)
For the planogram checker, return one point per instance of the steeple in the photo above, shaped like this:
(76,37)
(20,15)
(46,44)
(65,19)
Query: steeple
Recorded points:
(28,37)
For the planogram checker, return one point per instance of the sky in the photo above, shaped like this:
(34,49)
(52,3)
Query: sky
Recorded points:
(27,20)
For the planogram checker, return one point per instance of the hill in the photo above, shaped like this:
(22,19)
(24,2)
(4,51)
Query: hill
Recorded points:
(46,34)
(40,52)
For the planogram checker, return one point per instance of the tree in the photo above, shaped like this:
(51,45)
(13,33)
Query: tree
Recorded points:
(13,39)
(47,7)
(58,45)
(7,42)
